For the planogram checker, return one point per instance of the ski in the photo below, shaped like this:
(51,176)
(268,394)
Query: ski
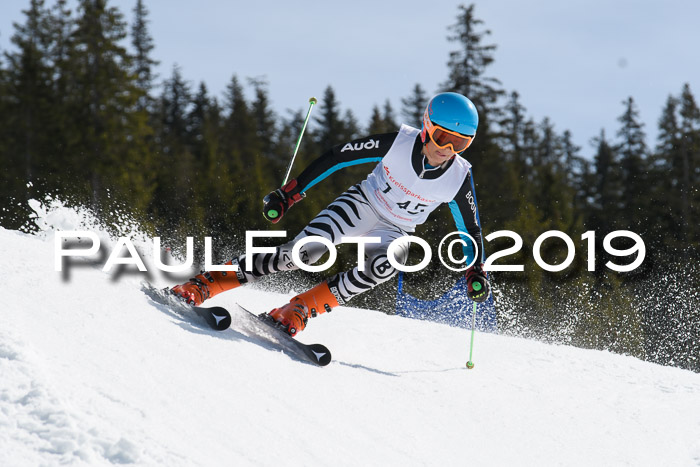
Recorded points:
(266,327)
(242,320)
(217,317)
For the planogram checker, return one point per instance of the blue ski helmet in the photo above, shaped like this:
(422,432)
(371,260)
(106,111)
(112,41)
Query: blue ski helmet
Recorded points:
(451,111)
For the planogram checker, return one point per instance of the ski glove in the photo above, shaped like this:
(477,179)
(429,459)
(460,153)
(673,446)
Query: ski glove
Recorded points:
(276,203)
(478,286)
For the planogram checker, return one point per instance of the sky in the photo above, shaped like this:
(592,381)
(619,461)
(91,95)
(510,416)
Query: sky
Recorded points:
(574,61)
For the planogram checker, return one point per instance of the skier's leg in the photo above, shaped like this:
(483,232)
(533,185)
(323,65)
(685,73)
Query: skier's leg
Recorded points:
(342,287)
(350,214)
(377,268)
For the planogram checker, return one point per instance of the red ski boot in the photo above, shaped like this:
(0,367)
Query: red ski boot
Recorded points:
(206,285)
(294,315)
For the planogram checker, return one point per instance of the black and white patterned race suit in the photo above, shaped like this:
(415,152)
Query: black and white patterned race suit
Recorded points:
(350,215)
(399,194)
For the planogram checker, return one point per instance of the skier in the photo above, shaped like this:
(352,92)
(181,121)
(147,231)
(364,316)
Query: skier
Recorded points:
(416,171)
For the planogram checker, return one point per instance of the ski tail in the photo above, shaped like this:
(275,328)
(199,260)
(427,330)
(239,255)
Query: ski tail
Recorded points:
(218,318)
(317,354)
(320,353)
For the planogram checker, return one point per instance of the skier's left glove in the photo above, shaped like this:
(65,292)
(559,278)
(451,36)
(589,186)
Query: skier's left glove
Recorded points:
(478,286)
(276,203)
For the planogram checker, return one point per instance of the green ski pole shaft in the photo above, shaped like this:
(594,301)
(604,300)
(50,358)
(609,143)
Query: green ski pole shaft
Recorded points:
(272,213)
(312,101)
(470,363)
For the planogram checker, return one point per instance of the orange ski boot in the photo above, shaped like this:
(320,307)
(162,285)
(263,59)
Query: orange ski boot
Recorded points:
(294,315)
(206,285)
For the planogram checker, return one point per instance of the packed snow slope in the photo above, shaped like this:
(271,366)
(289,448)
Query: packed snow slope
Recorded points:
(92,373)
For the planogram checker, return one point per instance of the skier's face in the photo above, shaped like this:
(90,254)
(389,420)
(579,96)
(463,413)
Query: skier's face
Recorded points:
(436,155)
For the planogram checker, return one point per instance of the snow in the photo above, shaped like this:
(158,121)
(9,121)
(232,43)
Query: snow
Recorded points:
(92,373)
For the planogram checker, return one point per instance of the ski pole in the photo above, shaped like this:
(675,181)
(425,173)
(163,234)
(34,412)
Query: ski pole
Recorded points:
(312,101)
(470,363)
(272,213)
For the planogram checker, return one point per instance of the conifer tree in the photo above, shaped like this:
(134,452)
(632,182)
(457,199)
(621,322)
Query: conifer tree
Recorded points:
(689,164)
(62,129)
(331,130)
(530,147)
(175,105)
(264,119)
(214,184)
(579,176)
(669,130)
(29,82)
(469,63)
(61,24)
(376,122)
(607,200)
(550,151)
(109,147)
(512,124)
(241,147)
(667,189)
(514,170)
(32,106)
(239,126)
(382,122)
(552,195)
(203,123)
(389,118)
(142,42)
(467,74)
(175,195)
(351,127)
(633,167)
(7,189)
(413,106)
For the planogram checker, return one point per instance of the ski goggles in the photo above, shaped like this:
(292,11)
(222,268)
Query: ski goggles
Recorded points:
(443,137)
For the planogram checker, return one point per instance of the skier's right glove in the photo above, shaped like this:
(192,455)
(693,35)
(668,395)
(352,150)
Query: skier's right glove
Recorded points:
(478,286)
(276,203)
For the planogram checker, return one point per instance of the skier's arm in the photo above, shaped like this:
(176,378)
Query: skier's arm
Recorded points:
(466,216)
(360,151)
(370,149)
